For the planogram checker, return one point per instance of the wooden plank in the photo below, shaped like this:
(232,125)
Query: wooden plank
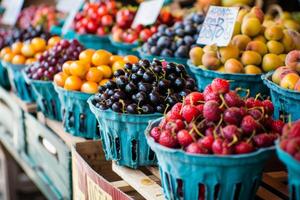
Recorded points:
(148,188)
(277,185)
(281,175)
(266,195)
(154,171)
(122,185)
(27,107)
(57,127)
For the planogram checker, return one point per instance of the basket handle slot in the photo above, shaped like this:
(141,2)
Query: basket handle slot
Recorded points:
(48,146)
(53,105)
(82,118)
(237,190)
(217,190)
(293,194)
(201,191)
(117,145)
(179,189)
(254,185)
(70,117)
(134,150)
(45,105)
(151,155)
(98,134)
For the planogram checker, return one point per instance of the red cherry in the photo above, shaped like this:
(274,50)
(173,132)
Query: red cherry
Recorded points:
(249,125)
(145,34)
(268,106)
(232,99)
(167,139)
(277,126)
(194,98)
(189,113)
(220,86)
(91,27)
(264,140)
(233,116)
(207,142)
(293,146)
(211,111)
(102,10)
(107,20)
(101,31)
(155,133)
(243,147)
(184,138)
(195,148)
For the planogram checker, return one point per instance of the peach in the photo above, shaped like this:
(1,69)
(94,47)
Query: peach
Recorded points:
(196,54)
(210,48)
(297,86)
(271,62)
(282,57)
(211,61)
(289,81)
(287,42)
(293,60)
(296,38)
(252,69)
(291,24)
(237,28)
(260,38)
(258,13)
(240,41)
(251,58)
(241,15)
(233,66)
(257,46)
(228,52)
(269,23)
(275,47)
(274,32)
(251,26)
(280,72)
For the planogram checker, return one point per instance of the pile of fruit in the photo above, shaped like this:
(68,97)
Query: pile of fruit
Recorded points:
(42,15)
(3,35)
(96,18)
(122,31)
(218,121)
(290,139)
(25,52)
(284,19)
(254,48)
(50,62)
(177,40)
(93,68)
(288,76)
(145,87)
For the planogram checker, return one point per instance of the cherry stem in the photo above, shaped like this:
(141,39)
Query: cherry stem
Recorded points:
(257,96)
(123,105)
(252,135)
(223,102)
(165,111)
(197,131)
(246,90)
(234,140)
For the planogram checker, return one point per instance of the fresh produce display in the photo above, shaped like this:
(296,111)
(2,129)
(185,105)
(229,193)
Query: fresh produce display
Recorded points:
(42,15)
(51,61)
(177,40)
(254,48)
(218,121)
(122,31)
(96,18)
(145,87)
(288,76)
(3,35)
(290,139)
(28,52)
(93,68)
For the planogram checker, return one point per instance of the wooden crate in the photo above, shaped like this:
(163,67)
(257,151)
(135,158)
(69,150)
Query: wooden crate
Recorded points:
(93,177)
(146,181)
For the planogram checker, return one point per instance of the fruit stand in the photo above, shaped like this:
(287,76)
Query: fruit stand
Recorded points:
(196,101)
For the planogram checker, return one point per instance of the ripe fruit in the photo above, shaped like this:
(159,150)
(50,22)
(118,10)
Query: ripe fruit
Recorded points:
(241,41)
(243,147)
(210,60)
(196,54)
(252,69)
(73,83)
(155,133)
(257,46)
(233,66)
(106,71)
(271,62)
(89,87)
(249,125)
(28,50)
(190,112)
(220,86)
(101,57)
(8,57)
(60,79)
(233,116)
(211,111)
(79,68)
(292,60)
(251,58)
(18,60)
(130,59)
(86,55)
(251,26)
(16,47)
(274,32)
(184,138)
(66,67)
(53,41)
(280,72)
(275,47)
(94,75)
(167,139)
(289,81)
(228,52)
(118,65)
(38,44)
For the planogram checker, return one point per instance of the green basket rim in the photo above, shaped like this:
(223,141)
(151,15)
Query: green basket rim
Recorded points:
(73,94)
(89,36)
(168,59)
(29,80)
(8,64)
(182,153)
(274,86)
(195,68)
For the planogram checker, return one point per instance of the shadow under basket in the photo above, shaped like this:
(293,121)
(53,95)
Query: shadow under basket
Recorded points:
(286,102)
(244,81)
(77,117)
(46,98)
(124,49)
(4,80)
(123,138)
(18,83)
(293,167)
(95,42)
(209,177)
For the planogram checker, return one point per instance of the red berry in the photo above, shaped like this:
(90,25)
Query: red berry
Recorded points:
(211,111)
(243,147)
(155,133)
(233,116)
(264,140)
(230,131)
(255,113)
(268,106)
(174,125)
(194,98)
(184,138)
(294,130)
(297,156)
(283,144)
(207,142)
(249,125)
(232,99)
(195,148)
(163,123)
(220,86)
(277,126)
(200,108)
(189,113)
(175,111)
(167,139)
(293,146)
(221,147)
(209,131)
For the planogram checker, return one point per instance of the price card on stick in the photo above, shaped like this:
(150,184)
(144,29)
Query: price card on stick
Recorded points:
(218,26)
(75,5)
(12,10)
(148,12)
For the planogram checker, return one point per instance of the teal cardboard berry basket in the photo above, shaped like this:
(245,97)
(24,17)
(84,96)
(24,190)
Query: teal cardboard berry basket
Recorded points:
(4,80)
(286,102)
(18,83)
(123,137)
(77,117)
(95,42)
(46,98)
(124,49)
(293,167)
(246,81)
(217,177)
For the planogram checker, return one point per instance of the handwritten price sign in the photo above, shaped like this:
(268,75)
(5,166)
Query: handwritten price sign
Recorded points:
(218,26)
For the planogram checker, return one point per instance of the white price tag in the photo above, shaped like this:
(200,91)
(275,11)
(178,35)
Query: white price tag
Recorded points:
(148,12)
(12,10)
(66,6)
(218,26)
(75,7)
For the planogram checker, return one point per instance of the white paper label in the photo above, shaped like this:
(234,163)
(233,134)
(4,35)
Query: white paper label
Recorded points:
(218,26)
(75,7)
(12,10)
(148,12)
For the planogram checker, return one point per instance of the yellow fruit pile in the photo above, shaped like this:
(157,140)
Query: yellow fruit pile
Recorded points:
(93,69)
(27,52)
(254,48)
